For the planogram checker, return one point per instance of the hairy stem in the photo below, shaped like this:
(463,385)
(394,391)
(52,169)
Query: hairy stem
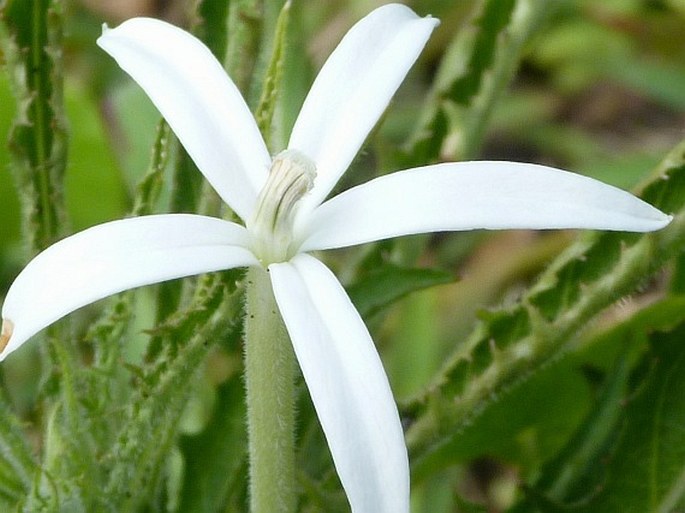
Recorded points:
(269,378)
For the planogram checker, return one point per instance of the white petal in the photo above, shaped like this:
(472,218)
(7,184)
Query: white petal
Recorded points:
(472,195)
(347,384)
(116,256)
(199,101)
(353,89)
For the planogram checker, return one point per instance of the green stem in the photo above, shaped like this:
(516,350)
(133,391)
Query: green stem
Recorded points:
(269,378)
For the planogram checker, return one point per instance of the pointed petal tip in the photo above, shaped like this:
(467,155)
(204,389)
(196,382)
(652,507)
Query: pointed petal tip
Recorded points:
(431,20)
(108,32)
(354,87)
(401,7)
(492,195)
(664,221)
(204,108)
(113,257)
(651,220)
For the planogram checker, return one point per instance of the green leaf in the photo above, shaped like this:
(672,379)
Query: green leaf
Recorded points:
(219,485)
(211,25)
(149,430)
(245,30)
(251,32)
(179,325)
(663,315)
(150,422)
(646,474)
(388,283)
(573,477)
(491,21)
(93,177)
(11,220)
(525,423)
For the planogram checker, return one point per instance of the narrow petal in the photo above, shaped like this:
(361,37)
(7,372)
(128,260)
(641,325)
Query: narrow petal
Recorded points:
(353,89)
(199,101)
(472,195)
(347,384)
(112,257)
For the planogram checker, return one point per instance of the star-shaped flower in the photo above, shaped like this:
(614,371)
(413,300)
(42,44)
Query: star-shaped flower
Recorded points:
(286,215)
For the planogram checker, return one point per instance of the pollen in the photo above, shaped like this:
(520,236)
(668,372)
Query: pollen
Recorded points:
(6,334)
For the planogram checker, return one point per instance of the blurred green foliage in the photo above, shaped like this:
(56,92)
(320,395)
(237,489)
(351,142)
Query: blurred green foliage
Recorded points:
(592,420)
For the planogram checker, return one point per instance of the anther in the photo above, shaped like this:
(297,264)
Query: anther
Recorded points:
(290,178)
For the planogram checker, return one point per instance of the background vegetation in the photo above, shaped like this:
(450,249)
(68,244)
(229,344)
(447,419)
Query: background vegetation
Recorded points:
(534,371)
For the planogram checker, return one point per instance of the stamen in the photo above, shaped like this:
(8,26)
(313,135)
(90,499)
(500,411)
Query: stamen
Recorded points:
(290,178)
(6,334)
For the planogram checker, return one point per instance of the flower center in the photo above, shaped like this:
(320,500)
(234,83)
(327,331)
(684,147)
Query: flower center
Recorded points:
(271,227)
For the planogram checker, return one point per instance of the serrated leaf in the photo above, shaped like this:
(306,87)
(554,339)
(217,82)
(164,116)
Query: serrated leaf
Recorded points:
(30,34)
(149,429)
(181,324)
(522,423)
(492,20)
(388,283)
(151,419)
(476,68)
(149,187)
(17,464)
(244,31)
(663,315)
(274,76)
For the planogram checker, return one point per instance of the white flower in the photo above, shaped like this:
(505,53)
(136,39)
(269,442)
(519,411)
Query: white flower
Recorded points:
(282,203)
